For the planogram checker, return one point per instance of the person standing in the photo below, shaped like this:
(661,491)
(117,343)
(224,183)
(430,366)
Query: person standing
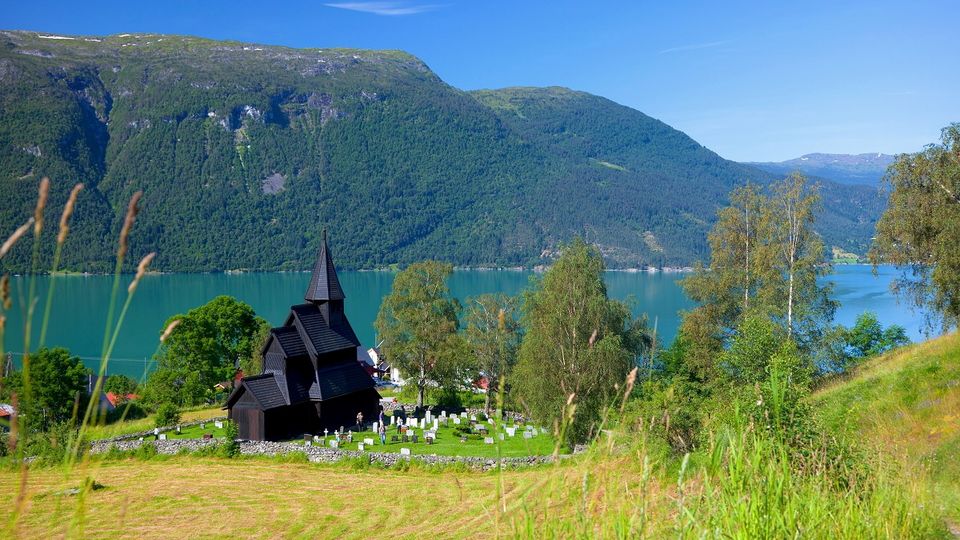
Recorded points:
(383,434)
(360,421)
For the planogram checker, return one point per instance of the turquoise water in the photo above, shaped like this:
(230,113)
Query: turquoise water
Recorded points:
(80,305)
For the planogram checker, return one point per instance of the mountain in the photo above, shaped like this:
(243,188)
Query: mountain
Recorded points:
(859,169)
(246,152)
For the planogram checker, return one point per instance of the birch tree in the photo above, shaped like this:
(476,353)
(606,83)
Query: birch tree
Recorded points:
(920,230)
(493,336)
(418,325)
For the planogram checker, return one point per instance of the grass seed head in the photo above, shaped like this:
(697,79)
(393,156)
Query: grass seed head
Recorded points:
(67,212)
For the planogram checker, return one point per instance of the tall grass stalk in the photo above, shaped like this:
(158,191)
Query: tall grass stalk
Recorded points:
(58,252)
(94,403)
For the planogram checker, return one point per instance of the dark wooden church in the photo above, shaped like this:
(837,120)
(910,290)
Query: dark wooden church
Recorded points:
(311,379)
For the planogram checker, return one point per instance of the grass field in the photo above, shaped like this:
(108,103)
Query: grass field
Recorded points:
(194,497)
(906,405)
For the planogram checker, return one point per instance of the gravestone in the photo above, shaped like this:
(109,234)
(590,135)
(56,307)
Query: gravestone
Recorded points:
(527,435)
(219,424)
(360,447)
(308,442)
(456,420)
(463,415)
(463,439)
(415,439)
(178,429)
(334,443)
(473,417)
(488,440)
(511,431)
(203,425)
(162,437)
(404,451)
(376,427)
(406,438)
(423,423)
(501,437)
(393,419)
(368,441)
(394,438)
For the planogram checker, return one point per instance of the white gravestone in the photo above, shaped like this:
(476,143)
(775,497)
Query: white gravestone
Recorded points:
(360,447)
(501,437)
(463,415)
(393,420)
(162,436)
(423,423)
(368,442)
(404,451)
(488,440)
(527,435)
(511,431)
(307,443)
(376,427)
(334,443)
(456,420)
(473,417)
(219,424)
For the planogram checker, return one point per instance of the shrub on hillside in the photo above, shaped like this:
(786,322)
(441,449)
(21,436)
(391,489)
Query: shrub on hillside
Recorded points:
(167,415)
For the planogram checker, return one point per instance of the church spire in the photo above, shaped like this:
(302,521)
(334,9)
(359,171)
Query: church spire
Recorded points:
(324,284)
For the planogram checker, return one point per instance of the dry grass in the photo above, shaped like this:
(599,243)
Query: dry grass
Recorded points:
(208,497)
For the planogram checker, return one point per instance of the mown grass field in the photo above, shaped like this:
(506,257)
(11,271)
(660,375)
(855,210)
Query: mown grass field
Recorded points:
(145,424)
(906,406)
(193,497)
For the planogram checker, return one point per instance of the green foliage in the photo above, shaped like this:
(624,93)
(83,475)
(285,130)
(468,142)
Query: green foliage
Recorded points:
(843,348)
(371,142)
(121,385)
(230,447)
(168,414)
(578,344)
(58,388)
(203,350)
(418,325)
(919,229)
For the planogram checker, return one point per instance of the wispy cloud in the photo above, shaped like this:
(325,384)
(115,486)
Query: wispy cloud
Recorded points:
(695,46)
(385,8)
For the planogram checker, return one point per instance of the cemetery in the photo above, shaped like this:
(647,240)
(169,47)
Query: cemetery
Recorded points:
(463,435)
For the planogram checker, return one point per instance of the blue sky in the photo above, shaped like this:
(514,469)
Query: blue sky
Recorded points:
(754,81)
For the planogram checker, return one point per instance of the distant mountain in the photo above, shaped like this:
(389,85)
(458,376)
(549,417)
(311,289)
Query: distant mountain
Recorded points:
(245,152)
(859,169)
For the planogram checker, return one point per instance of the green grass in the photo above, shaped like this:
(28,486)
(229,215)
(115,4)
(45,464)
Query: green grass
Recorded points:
(128,427)
(906,406)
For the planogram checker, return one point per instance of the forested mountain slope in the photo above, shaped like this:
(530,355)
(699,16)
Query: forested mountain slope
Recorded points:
(245,152)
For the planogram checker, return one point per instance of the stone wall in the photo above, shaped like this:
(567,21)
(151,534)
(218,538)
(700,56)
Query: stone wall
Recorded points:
(318,454)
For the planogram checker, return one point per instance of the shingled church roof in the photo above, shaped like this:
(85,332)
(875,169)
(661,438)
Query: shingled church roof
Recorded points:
(324,284)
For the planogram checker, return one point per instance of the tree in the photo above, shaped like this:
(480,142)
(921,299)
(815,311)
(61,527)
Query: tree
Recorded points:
(120,385)
(493,336)
(920,229)
(58,388)
(418,325)
(205,348)
(578,344)
(765,259)
(799,257)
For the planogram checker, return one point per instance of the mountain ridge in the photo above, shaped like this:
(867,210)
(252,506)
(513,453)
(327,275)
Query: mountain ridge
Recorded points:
(245,152)
(852,169)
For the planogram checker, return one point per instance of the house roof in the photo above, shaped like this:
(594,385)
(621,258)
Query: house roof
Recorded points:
(324,283)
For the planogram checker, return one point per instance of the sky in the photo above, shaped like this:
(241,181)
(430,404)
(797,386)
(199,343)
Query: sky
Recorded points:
(753,81)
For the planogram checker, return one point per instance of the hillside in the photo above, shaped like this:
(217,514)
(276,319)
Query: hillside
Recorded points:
(244,152)
(906,405)
(859,169)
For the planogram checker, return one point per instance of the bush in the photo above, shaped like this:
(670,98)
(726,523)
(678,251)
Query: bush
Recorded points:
(230,447)
(168,414)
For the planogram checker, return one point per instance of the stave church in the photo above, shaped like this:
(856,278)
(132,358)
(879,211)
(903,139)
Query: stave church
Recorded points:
(311,378)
